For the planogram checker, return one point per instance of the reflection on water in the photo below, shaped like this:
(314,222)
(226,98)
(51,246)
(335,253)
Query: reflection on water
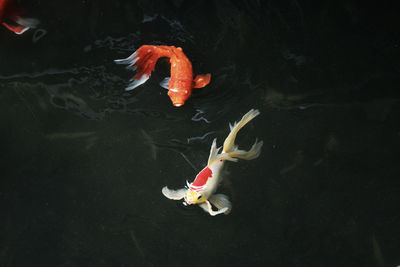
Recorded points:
(84,161)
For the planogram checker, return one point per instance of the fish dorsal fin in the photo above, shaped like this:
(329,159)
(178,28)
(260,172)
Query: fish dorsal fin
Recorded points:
(164,83)
(213,152)
(201,80)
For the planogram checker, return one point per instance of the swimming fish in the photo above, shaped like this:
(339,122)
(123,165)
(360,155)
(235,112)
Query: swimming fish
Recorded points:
(181,82)
(11,19)
(202,190)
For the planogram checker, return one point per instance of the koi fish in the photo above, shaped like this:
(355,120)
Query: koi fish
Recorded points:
(202,190)
(11,19)
(181,82)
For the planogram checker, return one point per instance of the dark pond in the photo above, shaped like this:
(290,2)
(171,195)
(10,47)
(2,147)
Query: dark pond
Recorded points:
(83,161)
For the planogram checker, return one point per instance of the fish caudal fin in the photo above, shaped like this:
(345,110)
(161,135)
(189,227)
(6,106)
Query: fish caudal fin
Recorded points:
(230,151)
(253,153)
(16,23)
(229,144)
(143,61)
(20,24)
(201,80)
(17,29)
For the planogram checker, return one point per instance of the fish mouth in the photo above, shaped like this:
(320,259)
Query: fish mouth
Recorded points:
(188,201)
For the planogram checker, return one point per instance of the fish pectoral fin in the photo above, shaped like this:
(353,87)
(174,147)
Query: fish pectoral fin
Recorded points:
(221,201)
(164,83)
(206,206)
(174,194)
(201,80)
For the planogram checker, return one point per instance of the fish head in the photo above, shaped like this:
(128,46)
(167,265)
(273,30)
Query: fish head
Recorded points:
(178,96)
(194,197)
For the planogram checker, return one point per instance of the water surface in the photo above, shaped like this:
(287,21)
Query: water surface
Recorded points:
(83,161)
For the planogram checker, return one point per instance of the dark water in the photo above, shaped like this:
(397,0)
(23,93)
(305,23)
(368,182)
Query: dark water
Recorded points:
(83,161)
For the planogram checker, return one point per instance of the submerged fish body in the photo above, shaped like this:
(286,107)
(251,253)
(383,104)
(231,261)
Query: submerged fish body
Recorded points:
(202,190)
(10,17)
(181,82)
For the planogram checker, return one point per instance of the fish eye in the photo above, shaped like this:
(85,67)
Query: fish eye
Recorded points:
(199,197)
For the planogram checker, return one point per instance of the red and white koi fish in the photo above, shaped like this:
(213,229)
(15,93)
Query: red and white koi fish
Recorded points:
(202,190)
(180,84)
(11,19)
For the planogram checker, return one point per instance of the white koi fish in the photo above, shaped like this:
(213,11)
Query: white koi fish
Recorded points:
(202,190)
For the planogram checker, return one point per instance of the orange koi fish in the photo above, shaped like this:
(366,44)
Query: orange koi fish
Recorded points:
(181,82)
(11,19)
(202,190)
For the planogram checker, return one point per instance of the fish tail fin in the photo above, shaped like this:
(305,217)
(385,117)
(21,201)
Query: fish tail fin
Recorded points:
(143,61)
(17,29)
(201,80)
(27,22)
(253,153)
(229,145)
(18,23)
(230,151)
